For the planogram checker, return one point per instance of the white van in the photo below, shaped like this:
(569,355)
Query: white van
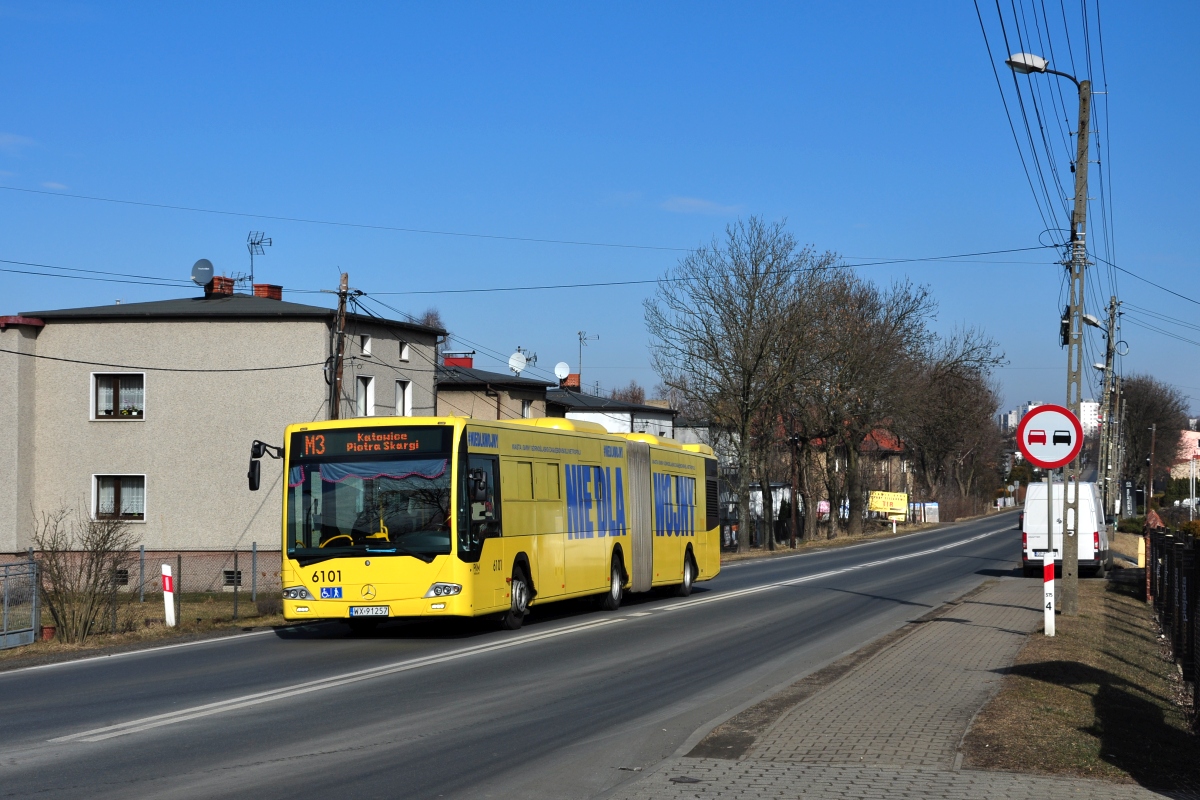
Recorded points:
(1094,553)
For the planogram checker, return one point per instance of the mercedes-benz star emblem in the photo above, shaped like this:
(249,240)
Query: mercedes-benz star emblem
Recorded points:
(368,592)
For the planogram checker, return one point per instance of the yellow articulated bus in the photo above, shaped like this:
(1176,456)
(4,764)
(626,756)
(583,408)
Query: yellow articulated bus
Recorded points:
(447,516)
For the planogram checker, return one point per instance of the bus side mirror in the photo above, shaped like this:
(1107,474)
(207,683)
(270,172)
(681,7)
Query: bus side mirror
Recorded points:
(258,449)
(254,476)
(478,485)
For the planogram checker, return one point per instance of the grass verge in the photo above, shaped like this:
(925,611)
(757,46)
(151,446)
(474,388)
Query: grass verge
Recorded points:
(140,625)
(1101,699)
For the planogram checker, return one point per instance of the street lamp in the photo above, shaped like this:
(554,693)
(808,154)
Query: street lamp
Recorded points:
(1028,64)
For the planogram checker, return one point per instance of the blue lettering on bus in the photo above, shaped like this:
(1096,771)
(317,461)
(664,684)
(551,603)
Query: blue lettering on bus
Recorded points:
(613,451)
(479,439)
(595,502)
(674,505)
(585,505)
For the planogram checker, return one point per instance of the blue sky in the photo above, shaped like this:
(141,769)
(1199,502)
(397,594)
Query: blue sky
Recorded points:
(875,129)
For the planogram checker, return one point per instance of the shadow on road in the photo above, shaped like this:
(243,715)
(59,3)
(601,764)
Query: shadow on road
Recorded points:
(454,628)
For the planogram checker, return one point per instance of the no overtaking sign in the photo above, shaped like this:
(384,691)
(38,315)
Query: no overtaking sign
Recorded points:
(1050,436)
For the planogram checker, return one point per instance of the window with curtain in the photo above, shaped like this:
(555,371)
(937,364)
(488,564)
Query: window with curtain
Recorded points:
(404,398)
(364,400)
(120,397)
(121,497)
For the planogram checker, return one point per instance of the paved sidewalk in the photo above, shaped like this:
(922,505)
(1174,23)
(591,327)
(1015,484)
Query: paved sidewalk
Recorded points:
(892,726)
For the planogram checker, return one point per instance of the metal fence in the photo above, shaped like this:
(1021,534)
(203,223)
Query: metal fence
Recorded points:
(1173,574)
(21,610)
(209,585)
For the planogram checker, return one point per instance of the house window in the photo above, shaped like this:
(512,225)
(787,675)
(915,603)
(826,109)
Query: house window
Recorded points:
(119,396)
(365,399)
(404,398)
(231,577)
(364,344)
(120,497)
(404,351)
(526,409)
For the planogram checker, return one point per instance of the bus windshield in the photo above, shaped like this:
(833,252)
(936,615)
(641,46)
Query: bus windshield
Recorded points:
(346,498)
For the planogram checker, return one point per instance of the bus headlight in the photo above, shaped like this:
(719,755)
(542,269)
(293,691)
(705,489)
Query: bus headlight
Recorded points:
(296,593)
(443,589)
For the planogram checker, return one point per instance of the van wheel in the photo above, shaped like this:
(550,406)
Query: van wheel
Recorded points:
(1033,572)
(616,577)
(689,576)
(519,592)
(1102,569)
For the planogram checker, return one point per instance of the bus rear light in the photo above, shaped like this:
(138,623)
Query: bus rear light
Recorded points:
(443,589)
(296,593)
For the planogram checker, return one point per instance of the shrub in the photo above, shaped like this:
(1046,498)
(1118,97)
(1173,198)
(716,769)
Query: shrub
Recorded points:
(81,562)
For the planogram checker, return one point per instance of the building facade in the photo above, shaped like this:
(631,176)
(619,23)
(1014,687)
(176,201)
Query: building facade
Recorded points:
(145,412)
(464,391)
(616,416)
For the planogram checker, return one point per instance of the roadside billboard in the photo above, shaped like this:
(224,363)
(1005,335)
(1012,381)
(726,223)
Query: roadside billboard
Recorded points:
(893,504)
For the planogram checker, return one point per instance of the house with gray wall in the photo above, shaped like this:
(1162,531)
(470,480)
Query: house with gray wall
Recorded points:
(617,416)
(146,411)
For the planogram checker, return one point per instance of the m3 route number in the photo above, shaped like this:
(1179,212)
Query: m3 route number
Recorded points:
(327,576)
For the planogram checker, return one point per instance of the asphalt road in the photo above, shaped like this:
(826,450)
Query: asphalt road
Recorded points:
(575,703)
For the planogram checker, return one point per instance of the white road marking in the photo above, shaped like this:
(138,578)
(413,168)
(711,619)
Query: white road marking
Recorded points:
(246,701)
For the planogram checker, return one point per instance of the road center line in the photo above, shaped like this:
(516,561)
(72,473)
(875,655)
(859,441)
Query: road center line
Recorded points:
(258,698)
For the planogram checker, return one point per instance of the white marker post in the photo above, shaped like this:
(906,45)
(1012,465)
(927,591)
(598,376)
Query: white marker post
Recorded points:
(168,585)
(1048,558)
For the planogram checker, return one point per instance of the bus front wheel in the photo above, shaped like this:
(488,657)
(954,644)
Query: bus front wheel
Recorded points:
(520,592)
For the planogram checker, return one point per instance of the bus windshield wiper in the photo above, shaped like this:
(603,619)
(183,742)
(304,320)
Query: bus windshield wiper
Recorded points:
(428,559)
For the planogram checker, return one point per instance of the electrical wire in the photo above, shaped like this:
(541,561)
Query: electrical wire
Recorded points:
(159,369)
(1164,333)
(333,223)
(1146,280)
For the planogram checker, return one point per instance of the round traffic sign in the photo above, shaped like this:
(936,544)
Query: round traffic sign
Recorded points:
(1050,436)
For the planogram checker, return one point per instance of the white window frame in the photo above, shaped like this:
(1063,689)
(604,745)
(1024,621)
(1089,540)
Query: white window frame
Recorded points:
(364,343)
(92,415)
(404,398)
(404,353)
(364,406)
(526,409)
(96,476)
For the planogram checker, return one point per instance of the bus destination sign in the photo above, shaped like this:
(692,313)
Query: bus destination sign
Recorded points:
(396,441)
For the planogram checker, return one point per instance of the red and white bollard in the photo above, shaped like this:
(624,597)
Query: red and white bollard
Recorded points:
(1048,582)
(168,583)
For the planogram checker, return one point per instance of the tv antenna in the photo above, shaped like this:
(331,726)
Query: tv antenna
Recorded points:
(255,244)
(583,340)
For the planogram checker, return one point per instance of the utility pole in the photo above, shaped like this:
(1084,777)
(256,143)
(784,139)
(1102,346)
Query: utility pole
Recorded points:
(1150,478)
(1109,406)
(335,402)
(1078,263)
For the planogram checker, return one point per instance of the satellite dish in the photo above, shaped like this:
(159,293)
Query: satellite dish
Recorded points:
(202,272)
(517,362)
(561,370)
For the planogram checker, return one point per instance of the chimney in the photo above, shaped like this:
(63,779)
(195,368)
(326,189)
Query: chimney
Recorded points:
(268,290)
(459,361)
(571,382)
(219,286)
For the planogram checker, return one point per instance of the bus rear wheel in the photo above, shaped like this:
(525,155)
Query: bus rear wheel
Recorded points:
(689,576)
(616,578)
(519,592)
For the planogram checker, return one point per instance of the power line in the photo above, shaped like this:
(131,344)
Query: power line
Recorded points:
(1146,280)
(159,369)
(1164,333)
(334,223)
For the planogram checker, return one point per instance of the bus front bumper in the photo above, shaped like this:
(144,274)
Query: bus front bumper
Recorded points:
(313,610)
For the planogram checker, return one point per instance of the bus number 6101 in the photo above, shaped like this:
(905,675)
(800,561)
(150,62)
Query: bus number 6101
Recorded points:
(327,576)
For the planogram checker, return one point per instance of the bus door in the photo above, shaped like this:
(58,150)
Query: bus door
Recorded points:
(585,548)
(550,525)
(480,532)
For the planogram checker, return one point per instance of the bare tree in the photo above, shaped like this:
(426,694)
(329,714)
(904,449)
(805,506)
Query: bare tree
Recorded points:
(1151,402)
(81,563)
(728,329)
(633,393)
